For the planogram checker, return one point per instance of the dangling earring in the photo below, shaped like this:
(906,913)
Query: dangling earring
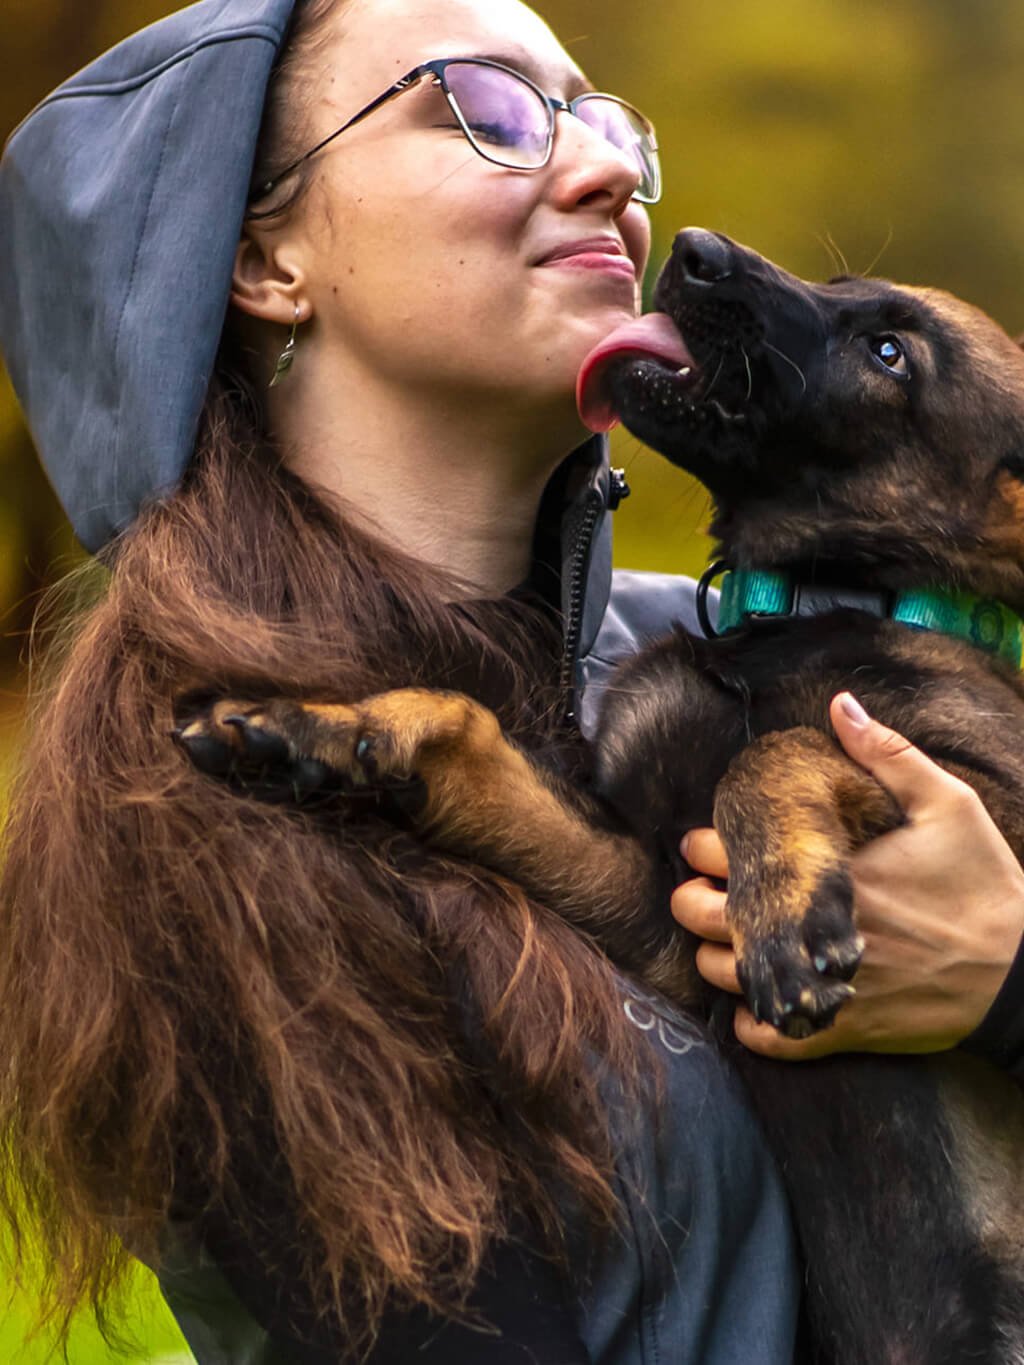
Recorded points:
(284,360)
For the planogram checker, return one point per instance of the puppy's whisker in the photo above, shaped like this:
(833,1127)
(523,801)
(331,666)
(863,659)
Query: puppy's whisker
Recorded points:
(750,376)
(715,378)
(836,257)
(834,246)
(782,356)
(881,251)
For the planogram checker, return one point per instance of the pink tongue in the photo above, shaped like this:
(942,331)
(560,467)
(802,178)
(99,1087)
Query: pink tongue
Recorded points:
(654,335)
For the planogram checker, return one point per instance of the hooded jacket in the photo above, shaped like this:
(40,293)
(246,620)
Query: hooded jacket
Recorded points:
(122,197)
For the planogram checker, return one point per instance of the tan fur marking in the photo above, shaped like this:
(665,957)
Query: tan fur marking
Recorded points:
(791,809)
(1005,527)
(487,801)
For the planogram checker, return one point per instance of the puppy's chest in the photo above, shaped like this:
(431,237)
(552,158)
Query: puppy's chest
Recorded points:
(688,706)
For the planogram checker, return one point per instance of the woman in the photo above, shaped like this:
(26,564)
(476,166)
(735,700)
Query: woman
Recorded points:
(384,1095)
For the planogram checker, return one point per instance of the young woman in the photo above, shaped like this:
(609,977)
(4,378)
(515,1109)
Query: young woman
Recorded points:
(347,1094)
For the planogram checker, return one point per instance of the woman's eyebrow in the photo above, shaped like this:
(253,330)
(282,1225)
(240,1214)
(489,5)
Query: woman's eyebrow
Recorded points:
(574,82)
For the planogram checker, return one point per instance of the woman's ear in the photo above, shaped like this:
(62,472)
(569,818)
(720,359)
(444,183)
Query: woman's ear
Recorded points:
(268,280)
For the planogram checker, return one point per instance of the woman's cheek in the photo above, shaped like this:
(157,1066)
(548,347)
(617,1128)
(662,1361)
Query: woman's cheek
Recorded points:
(636,234)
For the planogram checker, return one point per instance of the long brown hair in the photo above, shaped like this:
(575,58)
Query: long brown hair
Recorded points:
(196,985)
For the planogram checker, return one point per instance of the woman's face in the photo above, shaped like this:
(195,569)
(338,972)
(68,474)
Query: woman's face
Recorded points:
(425,264)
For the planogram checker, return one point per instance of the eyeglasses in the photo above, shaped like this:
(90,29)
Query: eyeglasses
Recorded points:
(511,122)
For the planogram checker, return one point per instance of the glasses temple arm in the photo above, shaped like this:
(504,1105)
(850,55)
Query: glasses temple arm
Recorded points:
(402,84)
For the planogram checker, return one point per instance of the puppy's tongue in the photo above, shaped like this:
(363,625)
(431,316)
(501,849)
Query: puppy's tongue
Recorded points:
(654,335)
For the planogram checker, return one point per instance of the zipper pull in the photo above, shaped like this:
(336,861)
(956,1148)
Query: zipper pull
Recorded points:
(618,488)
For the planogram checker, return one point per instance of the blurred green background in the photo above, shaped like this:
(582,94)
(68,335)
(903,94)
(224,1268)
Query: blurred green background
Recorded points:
(830,134)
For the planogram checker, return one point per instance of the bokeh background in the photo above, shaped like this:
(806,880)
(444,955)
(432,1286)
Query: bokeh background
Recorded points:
(833,135)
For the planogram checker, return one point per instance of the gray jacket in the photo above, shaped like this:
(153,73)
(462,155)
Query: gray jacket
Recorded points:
(121,200)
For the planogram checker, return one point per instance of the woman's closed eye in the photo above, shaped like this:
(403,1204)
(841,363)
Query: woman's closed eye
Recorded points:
(497,134)
(489,134)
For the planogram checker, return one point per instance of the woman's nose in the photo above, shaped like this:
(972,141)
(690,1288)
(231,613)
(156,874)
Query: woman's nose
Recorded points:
(589,167)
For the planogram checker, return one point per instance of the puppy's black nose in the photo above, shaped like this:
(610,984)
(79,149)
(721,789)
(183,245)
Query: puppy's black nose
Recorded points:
(704,255)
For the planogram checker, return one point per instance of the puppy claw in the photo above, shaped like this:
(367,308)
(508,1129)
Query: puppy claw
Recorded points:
(795,972)
(209,754)
(840,959)
(367,757)
(260,747)
(249,746)
(821,1013)
(309,775)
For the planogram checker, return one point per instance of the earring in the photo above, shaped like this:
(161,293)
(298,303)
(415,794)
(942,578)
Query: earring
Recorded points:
(287,356)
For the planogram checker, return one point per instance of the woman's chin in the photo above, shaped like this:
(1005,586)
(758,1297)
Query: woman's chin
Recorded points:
(593,330)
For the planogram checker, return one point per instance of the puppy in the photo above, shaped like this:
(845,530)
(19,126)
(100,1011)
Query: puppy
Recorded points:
(864,447)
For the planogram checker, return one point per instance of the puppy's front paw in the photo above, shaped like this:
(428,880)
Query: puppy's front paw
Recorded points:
(410,741)
(795,963)
(259,745)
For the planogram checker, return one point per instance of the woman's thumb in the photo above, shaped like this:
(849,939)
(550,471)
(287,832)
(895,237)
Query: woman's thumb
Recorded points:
(912,778)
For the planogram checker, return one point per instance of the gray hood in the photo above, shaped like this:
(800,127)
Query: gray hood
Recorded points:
(121,202)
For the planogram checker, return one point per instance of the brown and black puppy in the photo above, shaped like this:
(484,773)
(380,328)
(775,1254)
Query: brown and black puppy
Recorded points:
(866,440)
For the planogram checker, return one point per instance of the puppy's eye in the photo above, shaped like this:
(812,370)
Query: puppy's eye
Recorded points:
(889,353)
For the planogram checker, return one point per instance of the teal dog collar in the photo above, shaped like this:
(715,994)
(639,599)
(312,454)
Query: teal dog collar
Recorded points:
(984,622)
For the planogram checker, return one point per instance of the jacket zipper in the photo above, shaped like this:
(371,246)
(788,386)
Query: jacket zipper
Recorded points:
(618,489)
(577,591)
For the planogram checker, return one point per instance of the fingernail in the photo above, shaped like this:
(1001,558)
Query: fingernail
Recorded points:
(852,709)
(684,845)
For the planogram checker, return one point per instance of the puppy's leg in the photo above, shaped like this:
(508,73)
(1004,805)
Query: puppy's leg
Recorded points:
(482,798)
(790,810)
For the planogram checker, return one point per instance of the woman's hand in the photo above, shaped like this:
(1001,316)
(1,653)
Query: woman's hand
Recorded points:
(940,903)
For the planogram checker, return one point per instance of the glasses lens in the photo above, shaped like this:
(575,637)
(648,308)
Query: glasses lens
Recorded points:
(627,129)
(505,118)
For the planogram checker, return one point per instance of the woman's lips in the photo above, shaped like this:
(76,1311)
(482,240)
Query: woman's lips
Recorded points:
(654,336)
(603,253)
(594,260)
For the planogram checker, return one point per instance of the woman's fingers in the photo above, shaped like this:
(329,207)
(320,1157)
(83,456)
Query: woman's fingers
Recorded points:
(717,965)
(705,852)
(699,906)
(769,1042)
(913,779)
(940,903)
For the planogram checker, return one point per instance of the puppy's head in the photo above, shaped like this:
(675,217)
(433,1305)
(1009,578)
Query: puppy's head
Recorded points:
(861,424)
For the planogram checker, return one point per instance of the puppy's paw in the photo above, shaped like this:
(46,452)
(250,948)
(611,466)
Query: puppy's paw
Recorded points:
(258,745)
(795,964)
(396,740)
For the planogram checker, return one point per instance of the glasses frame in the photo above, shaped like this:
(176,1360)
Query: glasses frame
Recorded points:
(437,69)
